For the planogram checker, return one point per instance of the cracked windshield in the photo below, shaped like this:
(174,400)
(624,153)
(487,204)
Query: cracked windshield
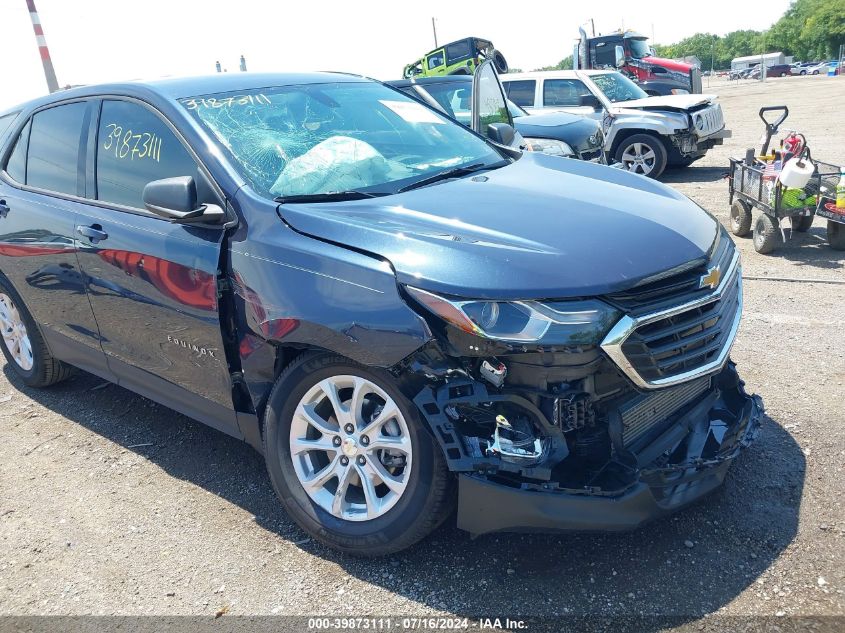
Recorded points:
(617,87)
(323,138)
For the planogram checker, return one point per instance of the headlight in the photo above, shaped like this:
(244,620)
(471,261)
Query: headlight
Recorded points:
(548,146)
(559,322)
(679,91)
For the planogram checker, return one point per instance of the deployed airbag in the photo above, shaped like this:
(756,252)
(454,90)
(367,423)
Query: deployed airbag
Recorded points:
(339,163)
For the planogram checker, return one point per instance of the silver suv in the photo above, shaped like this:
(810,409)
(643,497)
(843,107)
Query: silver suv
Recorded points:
(643,133)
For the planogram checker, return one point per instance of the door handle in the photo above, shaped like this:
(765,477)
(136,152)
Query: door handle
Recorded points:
(4,209)
(95,233)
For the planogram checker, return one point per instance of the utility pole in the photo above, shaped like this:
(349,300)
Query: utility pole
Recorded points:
(49,72)
(434,28)
(592,27)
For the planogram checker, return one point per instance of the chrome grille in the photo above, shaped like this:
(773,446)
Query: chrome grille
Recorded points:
(683,342)
(646,413)
(709,120)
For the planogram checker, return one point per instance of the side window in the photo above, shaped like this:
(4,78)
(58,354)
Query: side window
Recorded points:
(435,59)
(604,55)
(521,92)
(458,51)
(492,107)
(6,121)
(16,167)
(135,147)
(53,153)
(563,92)
(455,100)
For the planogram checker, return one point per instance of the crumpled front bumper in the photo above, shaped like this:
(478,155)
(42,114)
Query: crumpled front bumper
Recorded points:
(488,506)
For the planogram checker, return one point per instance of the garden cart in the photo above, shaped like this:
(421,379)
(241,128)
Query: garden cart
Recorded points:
(756,182)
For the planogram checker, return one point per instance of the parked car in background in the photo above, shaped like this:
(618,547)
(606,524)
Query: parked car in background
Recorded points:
(556,133)
(385,304)
(643,133)
(800,68)
(817,68)
(775,70)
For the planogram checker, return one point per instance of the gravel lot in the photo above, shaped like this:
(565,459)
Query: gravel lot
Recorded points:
(111,504)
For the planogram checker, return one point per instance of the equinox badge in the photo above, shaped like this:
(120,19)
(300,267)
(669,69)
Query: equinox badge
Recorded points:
(711,279)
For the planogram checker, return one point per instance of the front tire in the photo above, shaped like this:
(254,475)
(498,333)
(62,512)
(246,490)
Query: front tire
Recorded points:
(767,235)
(22,343)
(642,154)
(350,459)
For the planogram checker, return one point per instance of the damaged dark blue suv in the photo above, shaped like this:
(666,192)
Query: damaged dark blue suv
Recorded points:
(400,314)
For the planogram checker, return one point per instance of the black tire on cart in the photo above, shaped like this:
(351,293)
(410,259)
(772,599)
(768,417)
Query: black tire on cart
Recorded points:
(836,235)
(740,218)
(801,223)
(767,235)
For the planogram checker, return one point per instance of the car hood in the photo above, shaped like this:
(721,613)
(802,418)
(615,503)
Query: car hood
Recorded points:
(542,227)
(571,128)
(669,64)
(668,102)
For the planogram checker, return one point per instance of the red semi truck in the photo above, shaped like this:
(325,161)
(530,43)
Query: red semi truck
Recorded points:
(630,53)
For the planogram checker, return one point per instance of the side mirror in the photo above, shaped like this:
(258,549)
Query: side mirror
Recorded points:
(620,57)
(590,101)
(501,133)
(176,200)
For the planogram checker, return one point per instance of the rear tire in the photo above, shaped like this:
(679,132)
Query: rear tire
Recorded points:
(836,235)
(740,218)
(767,235)
(801,223)
(312,434)
(22,343)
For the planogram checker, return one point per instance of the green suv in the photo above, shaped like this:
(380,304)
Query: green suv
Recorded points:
(461,57)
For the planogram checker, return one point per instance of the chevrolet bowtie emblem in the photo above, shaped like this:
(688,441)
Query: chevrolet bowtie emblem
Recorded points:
(711,279)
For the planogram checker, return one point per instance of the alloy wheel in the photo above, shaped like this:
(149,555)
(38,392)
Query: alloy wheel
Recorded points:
(351,448)
(639,158)
(13,331)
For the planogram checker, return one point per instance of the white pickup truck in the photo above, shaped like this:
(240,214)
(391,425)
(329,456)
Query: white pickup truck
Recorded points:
(643,133)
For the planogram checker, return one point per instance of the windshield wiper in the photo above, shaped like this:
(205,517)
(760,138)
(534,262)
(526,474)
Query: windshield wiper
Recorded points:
(329,196)
(452,173)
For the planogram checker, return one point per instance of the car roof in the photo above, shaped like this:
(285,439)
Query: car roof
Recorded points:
(554,74)
(174,88)
(422,81)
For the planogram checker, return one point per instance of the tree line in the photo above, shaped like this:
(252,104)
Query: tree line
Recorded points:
(810,30)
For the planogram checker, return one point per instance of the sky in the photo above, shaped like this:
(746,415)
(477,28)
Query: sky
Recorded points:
(93,41)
